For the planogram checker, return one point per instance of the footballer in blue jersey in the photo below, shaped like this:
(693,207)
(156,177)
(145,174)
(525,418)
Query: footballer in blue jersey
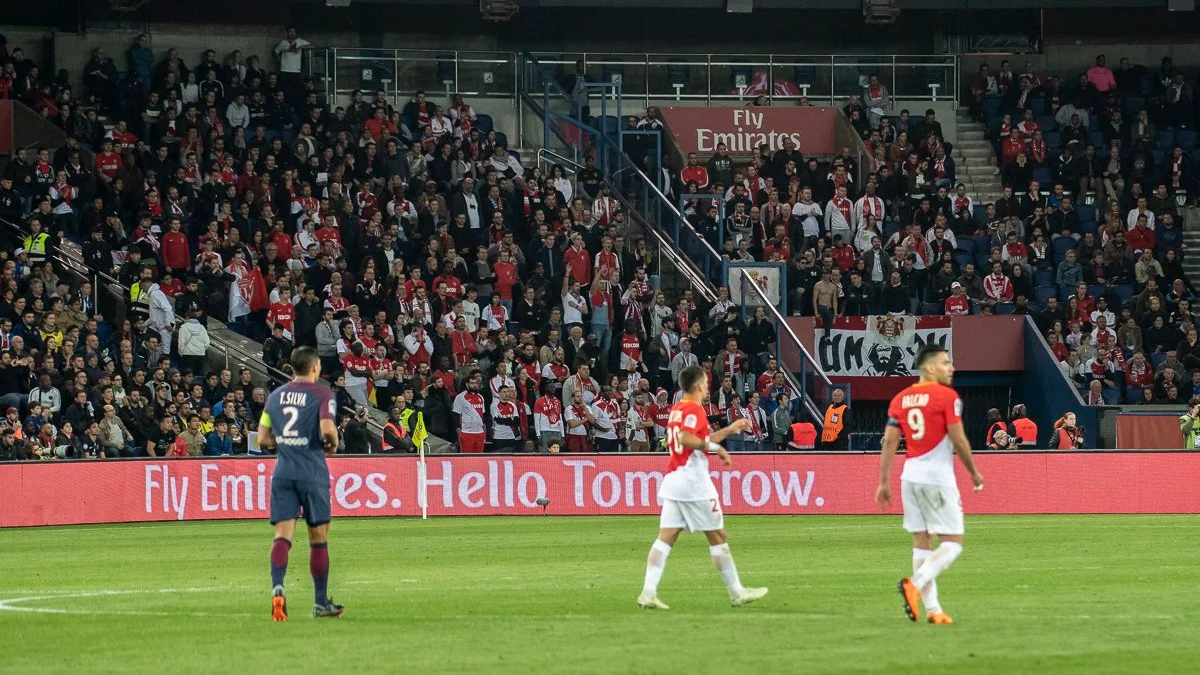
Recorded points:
(298,422)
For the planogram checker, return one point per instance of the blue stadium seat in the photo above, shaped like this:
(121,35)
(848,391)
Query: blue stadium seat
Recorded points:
(1087,226)
(1042,175)
(1164,139)
(1065,291)
(979,214)
(1053,140)
(1186,138)
(1159,156)
(446,69)
(1157,358)
(965,245)
(678,72)
(1004,308)
(1061,245)
(983,263)
(1132,106)
(889,229)
(1095,290)
(1038,105)
(501,139)
(931,309)
(484,123)
(1086,212)
(609,70)
(1103,151)
(963,258)
(991,107)
(515,154)
(1124,292)
(1096,138)
(1047,123)
(1043,278)
(983,245)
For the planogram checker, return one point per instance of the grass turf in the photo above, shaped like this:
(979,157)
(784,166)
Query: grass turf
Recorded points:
(1051,594)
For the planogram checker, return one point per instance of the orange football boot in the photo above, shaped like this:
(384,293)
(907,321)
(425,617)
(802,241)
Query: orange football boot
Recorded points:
(912,598)
(279,608)
(940,619)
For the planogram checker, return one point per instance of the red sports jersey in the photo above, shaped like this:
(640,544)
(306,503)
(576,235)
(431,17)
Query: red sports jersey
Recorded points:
(283,314)
(923,412)
(685,416)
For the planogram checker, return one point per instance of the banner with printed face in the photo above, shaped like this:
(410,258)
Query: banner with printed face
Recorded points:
(701,129)
(117,491)
(878,346)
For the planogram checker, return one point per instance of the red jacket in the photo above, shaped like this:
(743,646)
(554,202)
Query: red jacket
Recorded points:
(1139,239)
(176,253)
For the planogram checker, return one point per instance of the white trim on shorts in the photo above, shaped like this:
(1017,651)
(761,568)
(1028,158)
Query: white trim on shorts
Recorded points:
(936,509)
(692,516)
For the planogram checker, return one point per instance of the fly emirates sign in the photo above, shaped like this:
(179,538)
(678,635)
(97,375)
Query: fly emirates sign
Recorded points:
(743,130)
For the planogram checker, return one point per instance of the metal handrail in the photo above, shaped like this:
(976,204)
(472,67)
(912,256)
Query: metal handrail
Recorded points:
(781,321)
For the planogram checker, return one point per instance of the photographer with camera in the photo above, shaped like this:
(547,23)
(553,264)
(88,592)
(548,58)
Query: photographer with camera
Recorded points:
(1066,435)
(354,433)
(1189,424)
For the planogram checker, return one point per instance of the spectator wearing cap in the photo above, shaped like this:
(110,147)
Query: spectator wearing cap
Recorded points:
(958,303)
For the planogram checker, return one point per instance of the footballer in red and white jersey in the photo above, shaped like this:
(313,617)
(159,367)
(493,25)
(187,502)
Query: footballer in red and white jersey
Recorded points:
(687,476)
(923,412)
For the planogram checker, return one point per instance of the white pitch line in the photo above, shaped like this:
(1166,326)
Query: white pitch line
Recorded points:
(14,604)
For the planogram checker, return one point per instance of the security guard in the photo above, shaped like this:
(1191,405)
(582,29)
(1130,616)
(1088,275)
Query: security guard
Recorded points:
(1023,428)
(835,434)
(395,435)
(36,243)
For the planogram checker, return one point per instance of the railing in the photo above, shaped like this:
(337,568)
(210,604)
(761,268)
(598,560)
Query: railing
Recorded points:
(644,77)
(339,71)
(802,371)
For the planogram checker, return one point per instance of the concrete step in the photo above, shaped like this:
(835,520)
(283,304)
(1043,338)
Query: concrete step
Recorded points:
(972,144)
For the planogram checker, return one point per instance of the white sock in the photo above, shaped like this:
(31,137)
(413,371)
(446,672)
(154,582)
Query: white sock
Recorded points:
(929,594)
(656,563)
(723,561)
(936,563)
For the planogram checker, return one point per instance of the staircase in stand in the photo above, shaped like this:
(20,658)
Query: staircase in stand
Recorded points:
(975,162)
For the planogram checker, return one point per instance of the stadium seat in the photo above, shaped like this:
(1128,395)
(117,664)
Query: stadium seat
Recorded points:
(612,72)
(1164,139)
(1086,213)
(889,229)
(965,245)
(1042,175)
(1004,308)
(1065,291)
(502,139)
(1124,292)
(1096,138)
(1089,226)
(1038,105)
(1047,123)
(1159,156)
(991,107)
(1096,290)
(979,214)
(515,154)
(609,124)
(983,263)
(1043,293)
(1157,358)
(931,309)
(1043,278)
(1186,138)
(963,258)
(1132,106)
(1061,245)
(1054,140)
(484,123)
(678,74)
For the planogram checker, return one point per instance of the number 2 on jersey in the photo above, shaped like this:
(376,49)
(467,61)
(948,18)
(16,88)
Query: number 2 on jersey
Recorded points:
(916,423)
(292,414)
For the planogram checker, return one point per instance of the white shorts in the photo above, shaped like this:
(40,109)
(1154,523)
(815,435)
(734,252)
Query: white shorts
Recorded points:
(936,509)
(701,516)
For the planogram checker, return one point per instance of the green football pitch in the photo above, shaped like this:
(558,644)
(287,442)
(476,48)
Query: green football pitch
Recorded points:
(1049,594)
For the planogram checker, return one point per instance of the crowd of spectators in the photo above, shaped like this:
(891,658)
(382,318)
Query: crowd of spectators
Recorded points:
(429,268)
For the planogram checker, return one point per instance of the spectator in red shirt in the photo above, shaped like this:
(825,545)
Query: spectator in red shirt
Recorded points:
(578,260)
(506,278)
(176,252)
(958,303)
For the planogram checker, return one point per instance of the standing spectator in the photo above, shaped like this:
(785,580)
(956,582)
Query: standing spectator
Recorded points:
(1067,436)
(835,432)
(141,62)
(288,51)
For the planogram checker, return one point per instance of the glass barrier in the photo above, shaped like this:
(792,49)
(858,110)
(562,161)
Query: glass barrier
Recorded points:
(803,372)
(824,79)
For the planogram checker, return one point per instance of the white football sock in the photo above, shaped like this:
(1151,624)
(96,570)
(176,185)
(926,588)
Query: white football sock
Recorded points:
(723,561)
(929,595)
(936,563)
(656,563)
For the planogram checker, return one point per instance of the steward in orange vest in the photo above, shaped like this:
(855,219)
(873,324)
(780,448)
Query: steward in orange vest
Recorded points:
(1023,428)
(804,436)
(835,434)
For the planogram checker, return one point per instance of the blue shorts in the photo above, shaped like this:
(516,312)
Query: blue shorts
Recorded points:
(290,498)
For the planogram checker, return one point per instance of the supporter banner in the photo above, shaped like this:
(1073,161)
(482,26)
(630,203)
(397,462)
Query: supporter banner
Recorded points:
(878,346)
(64,493)
(765,283)
(701,129)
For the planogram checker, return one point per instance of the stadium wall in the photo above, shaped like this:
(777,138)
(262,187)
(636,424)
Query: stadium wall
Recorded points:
(67,493)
